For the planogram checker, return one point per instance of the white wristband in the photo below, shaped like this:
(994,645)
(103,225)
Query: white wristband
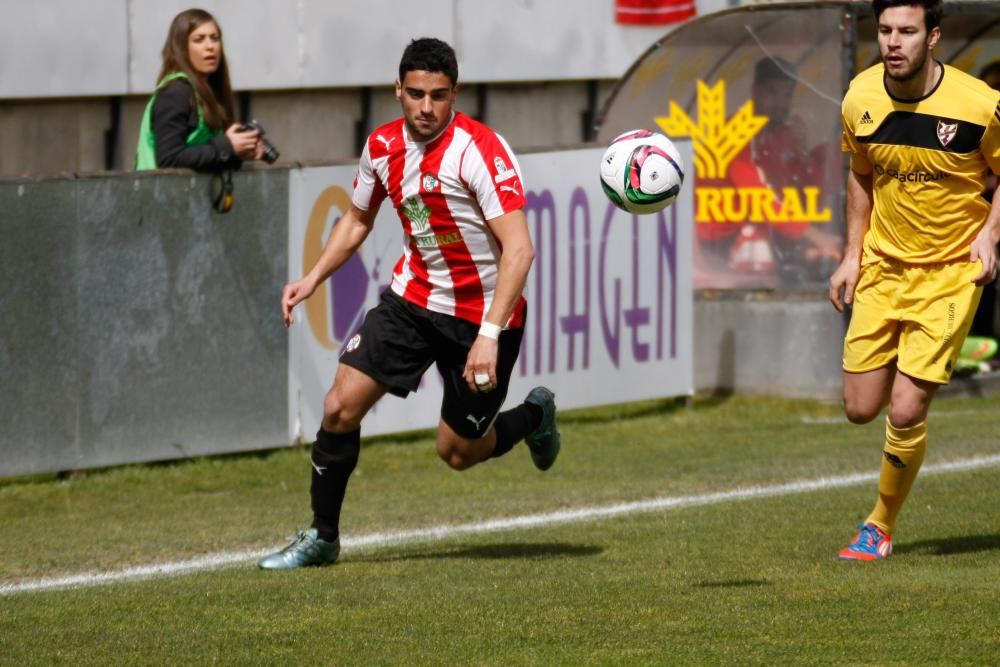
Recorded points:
(490,330)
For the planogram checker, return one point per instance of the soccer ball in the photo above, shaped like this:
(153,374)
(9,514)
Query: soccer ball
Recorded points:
(642,172)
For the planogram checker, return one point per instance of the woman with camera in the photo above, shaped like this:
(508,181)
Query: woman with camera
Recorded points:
(189,122)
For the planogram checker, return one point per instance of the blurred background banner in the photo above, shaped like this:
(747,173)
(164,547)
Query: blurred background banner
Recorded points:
(610,314)
(132,302)
(757,89)
(653,12)
(758,93)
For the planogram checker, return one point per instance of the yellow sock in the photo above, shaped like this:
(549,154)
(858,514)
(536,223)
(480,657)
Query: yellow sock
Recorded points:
(901,459)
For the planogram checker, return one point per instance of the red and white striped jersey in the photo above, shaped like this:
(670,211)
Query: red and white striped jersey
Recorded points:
(444,190)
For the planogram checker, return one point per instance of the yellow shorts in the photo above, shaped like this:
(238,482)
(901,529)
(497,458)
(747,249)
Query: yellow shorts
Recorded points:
(914,315)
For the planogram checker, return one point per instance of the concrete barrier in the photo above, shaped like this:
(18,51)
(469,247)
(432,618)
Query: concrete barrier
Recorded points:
(754,343)
(138,324)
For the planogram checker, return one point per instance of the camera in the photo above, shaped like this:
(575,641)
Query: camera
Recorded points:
(271,152)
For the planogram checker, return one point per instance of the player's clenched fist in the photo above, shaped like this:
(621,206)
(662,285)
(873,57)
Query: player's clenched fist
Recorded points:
(294,293)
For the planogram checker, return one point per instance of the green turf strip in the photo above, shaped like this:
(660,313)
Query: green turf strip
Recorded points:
(750,582)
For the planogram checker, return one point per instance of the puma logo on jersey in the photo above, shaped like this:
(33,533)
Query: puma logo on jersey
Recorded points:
(475,421)
(510,188)
(387,142)
(866,119)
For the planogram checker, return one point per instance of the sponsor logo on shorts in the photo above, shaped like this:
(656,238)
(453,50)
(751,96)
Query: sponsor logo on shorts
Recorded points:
(353,343)
(949,330)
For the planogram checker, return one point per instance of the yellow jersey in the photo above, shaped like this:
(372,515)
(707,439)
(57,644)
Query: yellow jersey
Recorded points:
(931,159)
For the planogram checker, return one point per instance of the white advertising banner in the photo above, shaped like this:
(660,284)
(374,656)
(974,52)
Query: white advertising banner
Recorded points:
(610,312)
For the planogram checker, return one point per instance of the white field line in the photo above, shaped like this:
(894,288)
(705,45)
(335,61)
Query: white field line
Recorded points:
(841,419)
(377,541)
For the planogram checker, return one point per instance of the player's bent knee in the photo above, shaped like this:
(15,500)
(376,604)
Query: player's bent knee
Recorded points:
(859,413)
(338,417)
(860,417)
(906,416)
(456,458)
(458,453)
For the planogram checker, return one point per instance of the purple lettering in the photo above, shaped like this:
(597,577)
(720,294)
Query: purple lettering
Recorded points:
(538,206)
(612,335)
(635,316)
(578,320)
(667,243)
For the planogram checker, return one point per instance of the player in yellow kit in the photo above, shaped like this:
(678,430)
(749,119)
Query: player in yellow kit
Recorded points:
(921,240)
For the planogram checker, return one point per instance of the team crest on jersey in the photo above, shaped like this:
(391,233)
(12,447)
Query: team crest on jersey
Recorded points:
(504,173)
(430,182)
(946,132)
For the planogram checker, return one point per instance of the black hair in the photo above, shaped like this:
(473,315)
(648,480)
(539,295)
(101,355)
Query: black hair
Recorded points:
(933,9)
(430,55)
(771,68)
(990,69)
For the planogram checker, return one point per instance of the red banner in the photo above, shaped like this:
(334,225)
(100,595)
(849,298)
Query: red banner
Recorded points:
(653,12)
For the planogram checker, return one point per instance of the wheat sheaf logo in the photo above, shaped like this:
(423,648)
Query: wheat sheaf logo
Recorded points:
(717,141)
(418,214)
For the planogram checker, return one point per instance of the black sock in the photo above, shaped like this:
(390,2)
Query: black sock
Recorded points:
(334,457)
(513,425)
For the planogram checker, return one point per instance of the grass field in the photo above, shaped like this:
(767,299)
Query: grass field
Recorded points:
(745,576)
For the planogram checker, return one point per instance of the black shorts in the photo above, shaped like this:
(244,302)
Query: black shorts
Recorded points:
(399,340)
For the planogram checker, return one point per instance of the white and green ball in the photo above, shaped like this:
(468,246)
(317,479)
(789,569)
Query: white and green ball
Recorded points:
(642,172)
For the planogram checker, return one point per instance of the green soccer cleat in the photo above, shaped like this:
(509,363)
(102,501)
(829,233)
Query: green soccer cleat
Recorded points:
(306,549)
(978,348)
(544,440)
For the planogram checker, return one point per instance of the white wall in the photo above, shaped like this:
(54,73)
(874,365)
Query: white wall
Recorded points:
(66,48)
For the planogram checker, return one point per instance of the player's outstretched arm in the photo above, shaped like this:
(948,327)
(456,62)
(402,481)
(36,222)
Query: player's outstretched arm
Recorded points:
(511,232)
(859,211)
(345,238)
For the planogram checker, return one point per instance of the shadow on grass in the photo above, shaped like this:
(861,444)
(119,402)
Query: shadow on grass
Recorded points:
(595,415)
(948,546)
(733,583)
(611,413)
(79,474)
(537,550)
(713,399)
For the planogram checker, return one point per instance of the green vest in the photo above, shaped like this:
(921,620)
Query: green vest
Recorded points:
(145,151)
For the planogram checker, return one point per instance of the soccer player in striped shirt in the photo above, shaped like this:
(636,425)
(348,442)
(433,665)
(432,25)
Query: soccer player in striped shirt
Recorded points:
(921,240)
(454,301)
